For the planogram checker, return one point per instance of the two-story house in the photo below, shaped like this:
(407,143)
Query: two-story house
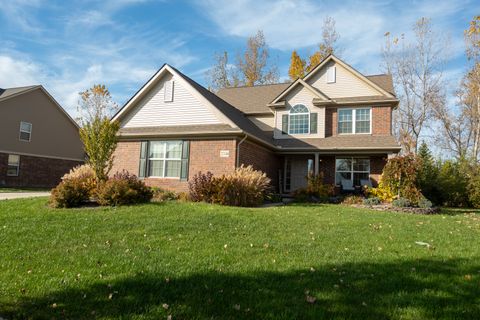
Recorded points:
(334,120)
(39,141)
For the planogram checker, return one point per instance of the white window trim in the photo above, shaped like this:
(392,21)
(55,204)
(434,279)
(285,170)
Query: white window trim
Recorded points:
(300,113)
(354,120)
(9,165)
(351,168)
(164,159)
(29,133)
(334,70)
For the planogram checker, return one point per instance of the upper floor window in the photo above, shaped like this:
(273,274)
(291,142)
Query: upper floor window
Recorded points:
(25,131)
(299,121)
(356,120)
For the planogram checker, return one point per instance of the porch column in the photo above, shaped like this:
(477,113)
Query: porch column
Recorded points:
(317,163)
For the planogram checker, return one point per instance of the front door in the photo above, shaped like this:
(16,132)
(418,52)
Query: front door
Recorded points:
(296,172)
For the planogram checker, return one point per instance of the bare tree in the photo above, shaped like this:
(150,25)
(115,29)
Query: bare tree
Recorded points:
(328,45)
(253,63)
(221,75)
(417,69)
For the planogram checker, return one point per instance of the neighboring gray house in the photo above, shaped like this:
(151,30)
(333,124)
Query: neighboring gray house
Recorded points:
(39,141)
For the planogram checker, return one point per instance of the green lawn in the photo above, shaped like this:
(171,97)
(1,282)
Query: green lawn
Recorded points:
(5,190)
(197,261)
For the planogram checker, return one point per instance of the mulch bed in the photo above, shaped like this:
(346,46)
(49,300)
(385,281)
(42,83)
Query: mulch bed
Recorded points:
(388,207)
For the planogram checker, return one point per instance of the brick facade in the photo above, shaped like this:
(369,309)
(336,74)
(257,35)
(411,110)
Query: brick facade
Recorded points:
(381,121)
(261,159)
(35,172)
(204,156)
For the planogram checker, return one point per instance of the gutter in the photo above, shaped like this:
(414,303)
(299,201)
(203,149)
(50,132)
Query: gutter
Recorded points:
(238,149)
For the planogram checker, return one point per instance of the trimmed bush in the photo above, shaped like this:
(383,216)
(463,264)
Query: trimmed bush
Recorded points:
(353,199)
(123,188)
(201,187)
(372,201)
(424,203)
(401,203)
(69,193)
(160,195)
(316,190)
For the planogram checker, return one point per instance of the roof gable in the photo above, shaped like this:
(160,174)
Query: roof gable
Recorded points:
(147,107)
(349,72)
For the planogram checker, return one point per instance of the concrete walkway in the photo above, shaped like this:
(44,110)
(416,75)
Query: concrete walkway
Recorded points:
(19,195)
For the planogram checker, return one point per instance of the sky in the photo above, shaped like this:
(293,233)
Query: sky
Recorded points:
(67,46)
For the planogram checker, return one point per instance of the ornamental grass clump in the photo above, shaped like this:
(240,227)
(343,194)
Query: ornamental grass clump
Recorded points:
(245,187)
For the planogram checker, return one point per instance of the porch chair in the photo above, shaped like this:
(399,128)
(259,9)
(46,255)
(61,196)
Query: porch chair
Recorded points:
(347,185)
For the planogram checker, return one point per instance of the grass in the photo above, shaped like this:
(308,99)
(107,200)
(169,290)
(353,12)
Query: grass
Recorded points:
(198,261)
(8,190)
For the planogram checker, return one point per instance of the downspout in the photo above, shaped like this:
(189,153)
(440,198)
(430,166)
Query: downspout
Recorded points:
(238,150)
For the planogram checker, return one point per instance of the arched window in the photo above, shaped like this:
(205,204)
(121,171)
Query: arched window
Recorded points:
(299,120)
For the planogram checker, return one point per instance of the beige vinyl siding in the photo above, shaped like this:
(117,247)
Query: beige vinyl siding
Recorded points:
(266,123)
(153,111)
(346,84)
(300,95)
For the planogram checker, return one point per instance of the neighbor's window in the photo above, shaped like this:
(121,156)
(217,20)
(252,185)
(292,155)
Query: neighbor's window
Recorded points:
(354,120)
(13,165)
(25,131)
(354,169)
(164,159)
(299,121)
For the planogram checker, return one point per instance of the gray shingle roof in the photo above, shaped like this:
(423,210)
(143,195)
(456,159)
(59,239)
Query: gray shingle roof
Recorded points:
(251,100)
(8,92)
(384,81)
(347,142)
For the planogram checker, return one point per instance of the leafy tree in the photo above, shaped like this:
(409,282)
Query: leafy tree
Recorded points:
(400,177)
(428,174)
(97,132)
(252,64)
(453,184)
(297,66)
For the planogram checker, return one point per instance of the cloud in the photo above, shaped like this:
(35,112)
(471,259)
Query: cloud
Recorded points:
(19,13)
(18,73)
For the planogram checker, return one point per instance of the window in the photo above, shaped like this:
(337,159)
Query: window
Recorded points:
(331,74)
(13,165)
(354,169)
(164,159)
(168,93)
(354,120)
(299,121)
(25,131)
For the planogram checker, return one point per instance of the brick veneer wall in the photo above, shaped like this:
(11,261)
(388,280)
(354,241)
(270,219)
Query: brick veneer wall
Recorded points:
(39,172)
(261,159)
(204,156)
(381,121)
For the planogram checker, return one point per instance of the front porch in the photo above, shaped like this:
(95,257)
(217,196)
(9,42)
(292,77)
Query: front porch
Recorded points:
(337,169)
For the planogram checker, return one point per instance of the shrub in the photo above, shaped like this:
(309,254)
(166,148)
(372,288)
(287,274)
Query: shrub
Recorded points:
(353,199)
(85,174)
(400,177)
(69,193)
(401,203)
(372,201)
(245,187)
(160,195)
(201,187)
(424,203)
(453,184)
(123,188)
(315,191)
(382,192)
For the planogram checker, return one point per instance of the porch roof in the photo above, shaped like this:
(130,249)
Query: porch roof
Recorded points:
(340,143)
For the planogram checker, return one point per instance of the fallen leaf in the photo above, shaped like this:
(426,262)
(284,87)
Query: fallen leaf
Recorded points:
(165,306)
(236,307)
(310,299)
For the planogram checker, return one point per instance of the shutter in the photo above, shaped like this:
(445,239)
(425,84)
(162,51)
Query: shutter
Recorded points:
(331,74)
(168,91)
(185,157)
(142,171)
(285,124)
(313,122)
